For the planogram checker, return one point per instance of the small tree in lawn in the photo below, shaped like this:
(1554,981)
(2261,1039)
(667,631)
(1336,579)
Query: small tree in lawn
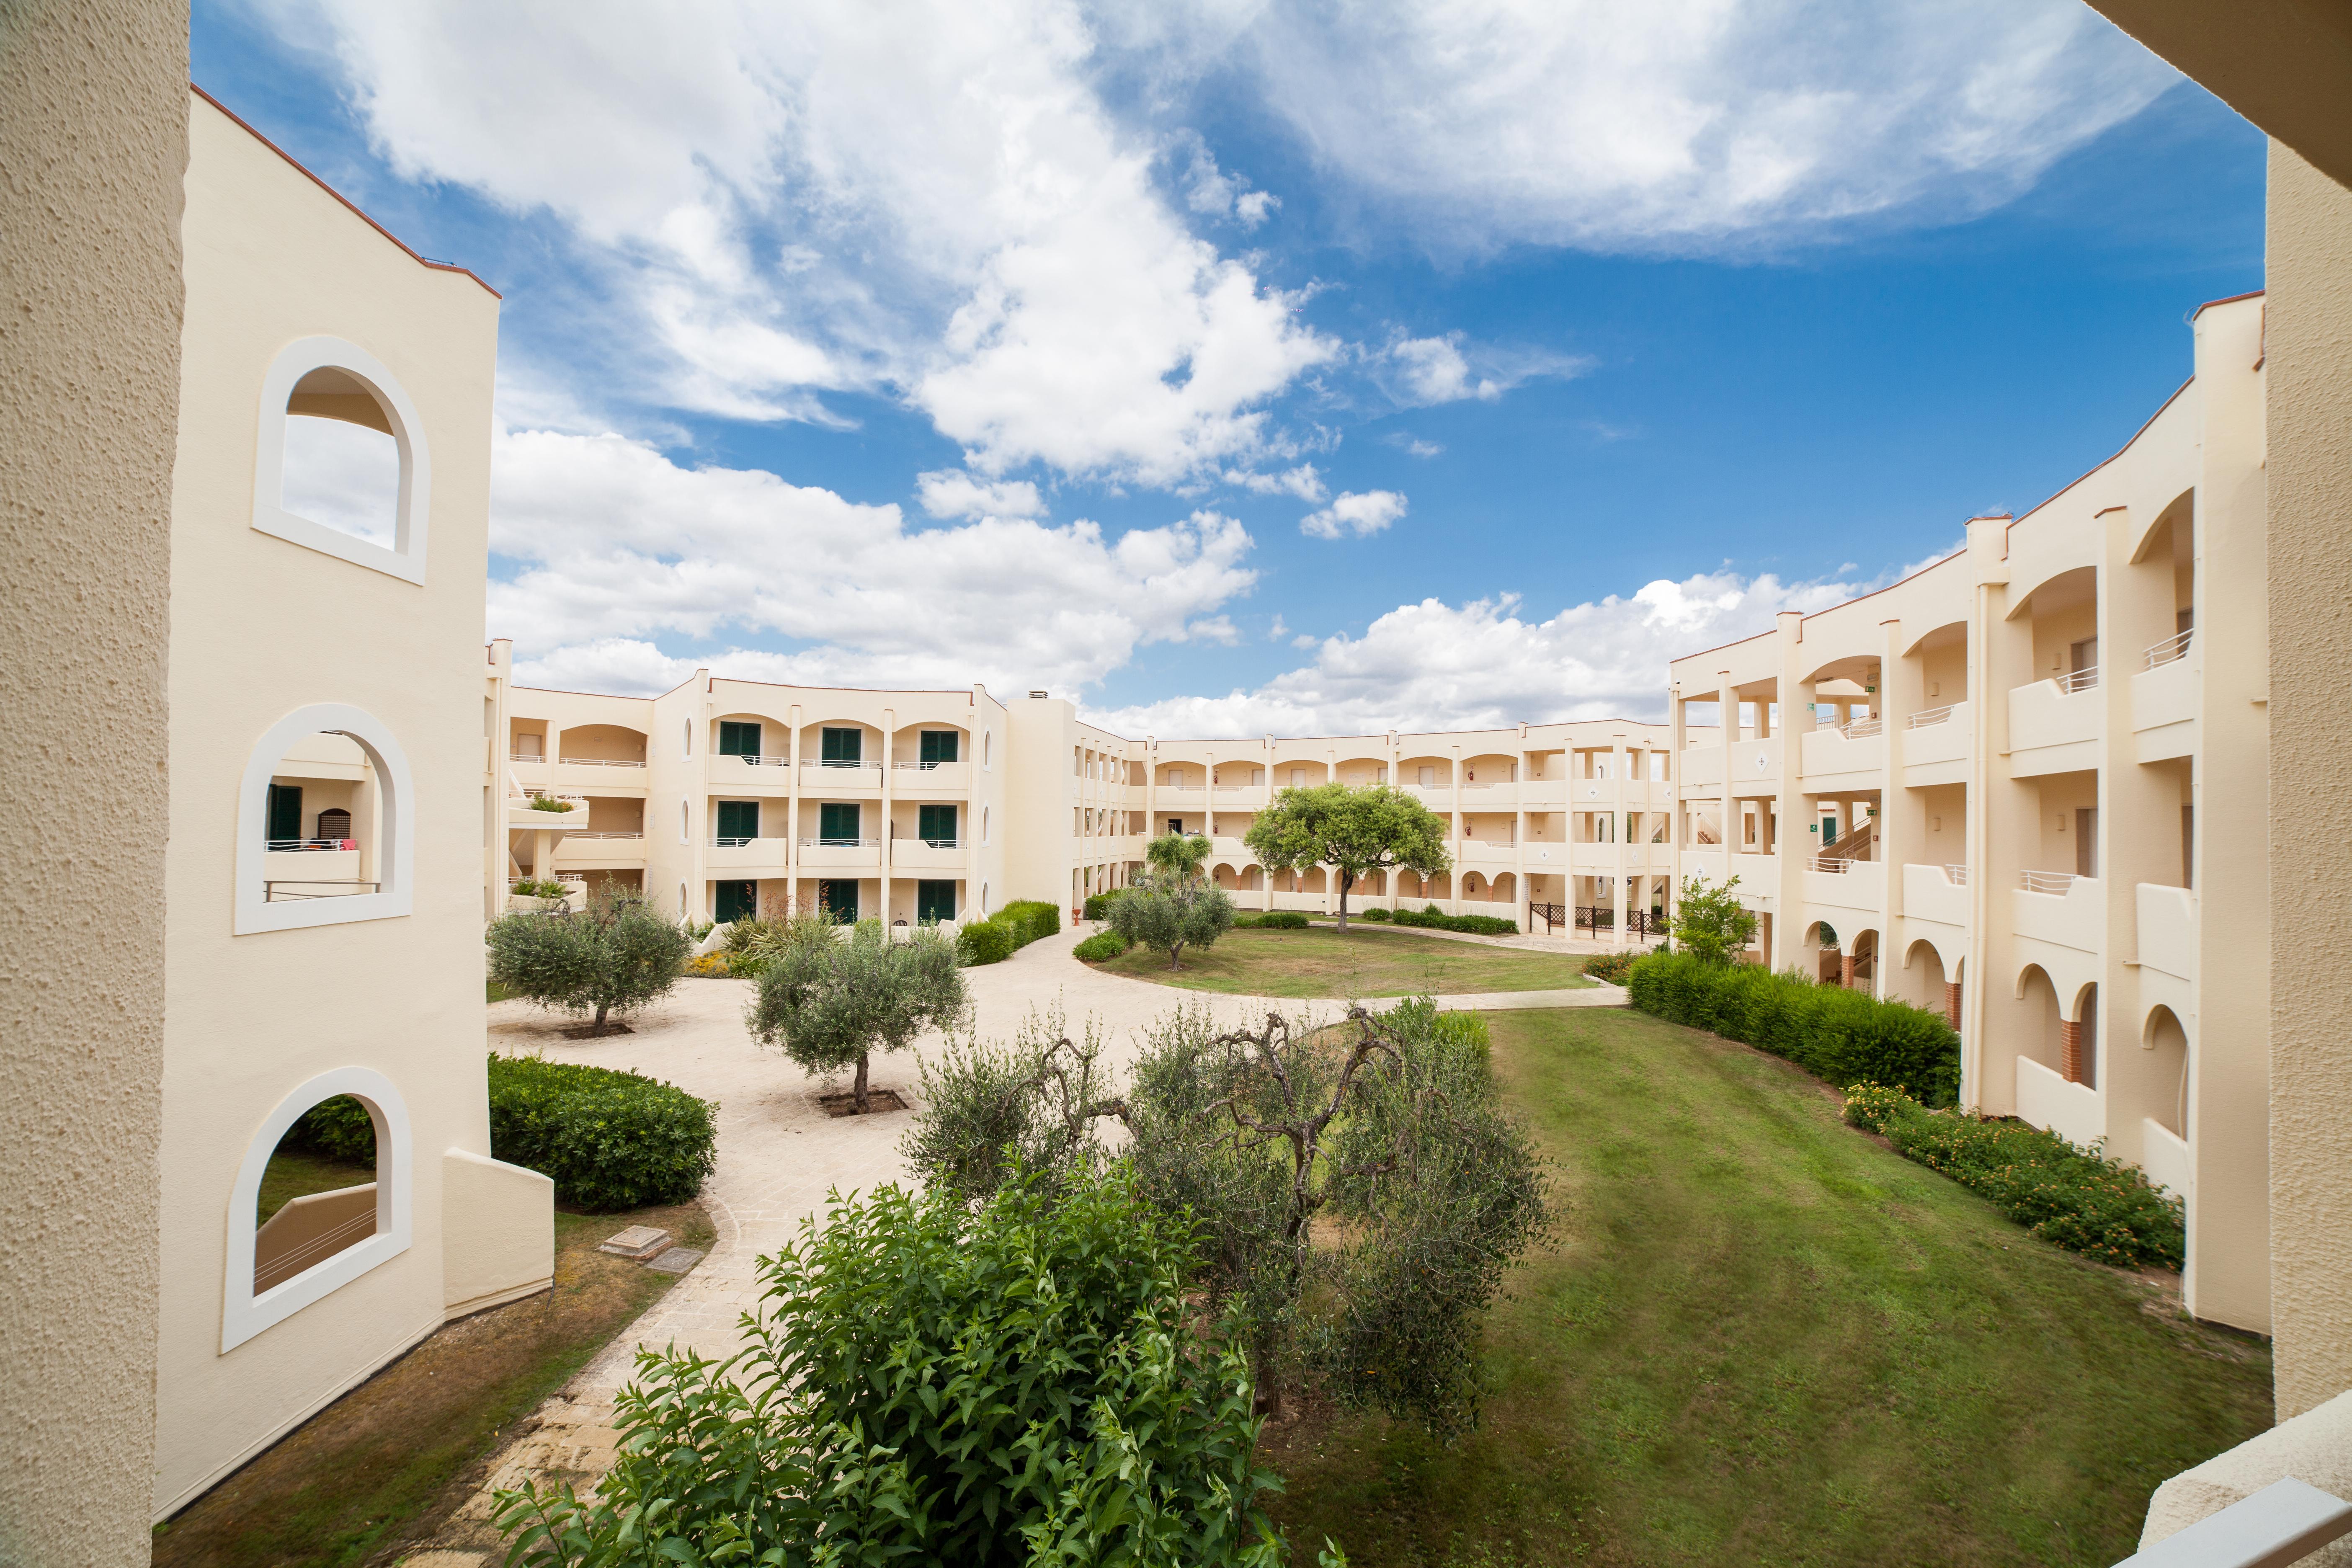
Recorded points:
(1179,855)
(829,1004)
(1170,911)
(1355,830)
(1709,922)
(606,961)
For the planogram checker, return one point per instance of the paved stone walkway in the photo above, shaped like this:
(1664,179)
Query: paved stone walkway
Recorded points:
(778,1155)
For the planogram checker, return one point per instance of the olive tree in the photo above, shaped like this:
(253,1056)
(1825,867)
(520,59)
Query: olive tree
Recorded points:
(829,1001)
(607,961)
(1710,923)
(1356,1191)
(1168,911)
(1356,830)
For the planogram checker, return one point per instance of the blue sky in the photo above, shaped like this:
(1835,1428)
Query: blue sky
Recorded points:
(1271,371)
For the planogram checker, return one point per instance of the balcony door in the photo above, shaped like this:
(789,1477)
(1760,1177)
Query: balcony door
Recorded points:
(837,897)
(936,826)
(934,901)
(843,748)
(735,901)
(739,740)
(836,822)
(739,820)
(940,746)
(285,813)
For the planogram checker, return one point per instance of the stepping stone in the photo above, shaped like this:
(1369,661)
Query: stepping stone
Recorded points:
(676,1260)
(639,1242)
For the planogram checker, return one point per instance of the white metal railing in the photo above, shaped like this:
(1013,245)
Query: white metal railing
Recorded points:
(1929,716)
(841,763)
(271,894)
(2080,680)
(944,843)
(1236,788)
(926,767)
(1958,876)
(603,761)
(2174,646)
(1837,866)
(839,843)
(749,758)
(2047,881)
(525,757)
(734,841)
(282,846)
(1862,728)
(577,838)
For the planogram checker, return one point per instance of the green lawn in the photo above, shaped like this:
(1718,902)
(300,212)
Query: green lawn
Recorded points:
(1323,962)
(1762,1338)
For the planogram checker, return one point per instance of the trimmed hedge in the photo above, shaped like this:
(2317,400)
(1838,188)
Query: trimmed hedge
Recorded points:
(1430,918)
(610,1139)
(2076,1198)
(1273,920)
(1378,914)
(1103,944)
(337,1129)
(1031,919)
(1097,905)
(984,942)
(1846,1036)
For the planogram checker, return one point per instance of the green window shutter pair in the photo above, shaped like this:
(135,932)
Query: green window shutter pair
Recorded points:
(938,746)
(737,740)
(738,819)
(844,745)
(737,902)
(838,900)
(285,810)
(837,824)
(934,901)
(936,824)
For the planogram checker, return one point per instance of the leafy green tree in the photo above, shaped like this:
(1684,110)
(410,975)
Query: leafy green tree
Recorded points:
(1168,911)
(828,1001)
(1356,830)
(1709,922)
(1009,1383)
(609,960)
(1180,856)
(1357,1193)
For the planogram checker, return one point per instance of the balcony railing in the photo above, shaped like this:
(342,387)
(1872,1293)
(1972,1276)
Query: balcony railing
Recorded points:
(577,838)
(1862,728)
(840,763)
(612,762)
(278,890)
(2172,648)
(733,841)
(525,757)
(749,758)
(1928,717)
(924,766)
(1835,865)
(2047,881)
(938,843)
(1958,876)
(840,843)
(282,846)
(2080,680)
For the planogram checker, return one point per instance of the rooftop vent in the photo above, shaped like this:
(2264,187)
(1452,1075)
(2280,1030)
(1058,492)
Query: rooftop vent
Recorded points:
(1037,694)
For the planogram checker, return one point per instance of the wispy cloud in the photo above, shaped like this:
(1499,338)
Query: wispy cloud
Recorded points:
(1353,513)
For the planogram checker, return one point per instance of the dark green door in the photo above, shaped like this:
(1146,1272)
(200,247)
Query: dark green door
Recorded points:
(936,826)
(737,901)
(739,820)
(934,901)
(836,822)
(844,745)
(838,899)
(737,740)
(285,810)
(938,746)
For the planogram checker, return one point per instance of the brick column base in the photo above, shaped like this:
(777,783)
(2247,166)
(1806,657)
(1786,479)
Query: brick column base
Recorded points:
(1845,970)
(1952,1003)
(2070,1051)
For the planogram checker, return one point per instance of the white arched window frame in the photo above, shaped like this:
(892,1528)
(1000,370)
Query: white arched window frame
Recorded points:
(395,825)
(405,559)
(685,830)
(245,1314)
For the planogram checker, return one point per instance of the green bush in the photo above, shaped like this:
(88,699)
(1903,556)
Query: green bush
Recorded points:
(337,1129)
(984,942)
(1433,918)
(1102,945)
(1610,967)
(1273,920)
(1031,919)
(1846,1036)
(1377,915)
(1098,906)
(610,1139)
(2077,1198)
(930,1380)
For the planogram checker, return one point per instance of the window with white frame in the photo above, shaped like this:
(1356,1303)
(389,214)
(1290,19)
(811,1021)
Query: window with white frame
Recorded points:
(341,463)
(326,820)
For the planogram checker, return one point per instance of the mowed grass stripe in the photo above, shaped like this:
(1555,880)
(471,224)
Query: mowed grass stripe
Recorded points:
(1763,1338)
(1323,962)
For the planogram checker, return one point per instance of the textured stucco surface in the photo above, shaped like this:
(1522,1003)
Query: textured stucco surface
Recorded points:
(2314,1448)
(2308,344)
(93,139)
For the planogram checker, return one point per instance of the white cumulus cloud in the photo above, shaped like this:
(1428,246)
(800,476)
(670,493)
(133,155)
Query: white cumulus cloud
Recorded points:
(951,492)
(1353,512)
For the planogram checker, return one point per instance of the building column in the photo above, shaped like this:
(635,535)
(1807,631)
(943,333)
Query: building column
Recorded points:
(2070,1050)
(1952,1003)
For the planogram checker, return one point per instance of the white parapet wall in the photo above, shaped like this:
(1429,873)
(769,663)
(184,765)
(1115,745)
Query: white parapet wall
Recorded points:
(2072,1111)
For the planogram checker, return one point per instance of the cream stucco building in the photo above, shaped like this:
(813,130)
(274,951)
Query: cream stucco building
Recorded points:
(727,797)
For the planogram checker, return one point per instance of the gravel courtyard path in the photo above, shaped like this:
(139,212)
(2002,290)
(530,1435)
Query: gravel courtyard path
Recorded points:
(778,1155)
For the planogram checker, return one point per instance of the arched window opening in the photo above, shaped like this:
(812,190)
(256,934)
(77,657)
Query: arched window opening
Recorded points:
(685,739)
(324,1194)
(323,835)
(342,462)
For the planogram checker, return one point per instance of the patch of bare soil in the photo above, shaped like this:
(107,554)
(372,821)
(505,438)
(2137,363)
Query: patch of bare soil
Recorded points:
(594,1031)
(877,1100)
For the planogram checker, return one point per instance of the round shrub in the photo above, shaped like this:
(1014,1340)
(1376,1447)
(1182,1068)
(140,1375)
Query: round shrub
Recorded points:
(984,942)
(1031,919)
(1377,915)
(1097,905)
(1282,919)
(1610,968)
(1100,946)
(609,1140)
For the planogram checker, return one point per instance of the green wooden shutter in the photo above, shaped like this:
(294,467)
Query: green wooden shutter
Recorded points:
(737,901)
(737,740)
(285,810)
(936,824)
(844,745)
(934,901)
(837,898)
(837,823)
(938,746)
(738,819)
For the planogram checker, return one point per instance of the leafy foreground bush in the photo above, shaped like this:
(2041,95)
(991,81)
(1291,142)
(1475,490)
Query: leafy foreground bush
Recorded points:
(1846,1036)
(1430,918)
(610,1139)
(1033,919)
(2077,1198)
(339,1128)
(1103,944)
(1610,967)
(1273,920)
(1377,915)
(932,1380)
(1005,932)
(1097,905)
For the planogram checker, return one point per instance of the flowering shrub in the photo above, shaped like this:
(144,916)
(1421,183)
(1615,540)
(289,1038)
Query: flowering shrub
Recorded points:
(2077,1198)
(1610,967)
(711,965)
